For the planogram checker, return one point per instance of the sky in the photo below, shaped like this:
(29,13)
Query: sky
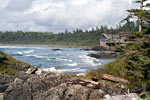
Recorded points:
(58,15)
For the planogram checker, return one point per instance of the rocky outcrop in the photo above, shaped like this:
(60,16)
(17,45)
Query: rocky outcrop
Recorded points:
(55,86)
(101,48)
(57,49)
(97,48)
(29,86)
(4,82)
(105,55)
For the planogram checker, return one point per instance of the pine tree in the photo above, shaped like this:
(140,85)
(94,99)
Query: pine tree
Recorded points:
(141,14)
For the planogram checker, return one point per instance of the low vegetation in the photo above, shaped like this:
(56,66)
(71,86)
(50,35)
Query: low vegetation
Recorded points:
(10,65)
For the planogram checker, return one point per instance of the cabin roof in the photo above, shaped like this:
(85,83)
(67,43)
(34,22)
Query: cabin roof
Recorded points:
(110,36)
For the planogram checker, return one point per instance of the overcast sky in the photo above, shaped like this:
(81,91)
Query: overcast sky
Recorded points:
(58,15)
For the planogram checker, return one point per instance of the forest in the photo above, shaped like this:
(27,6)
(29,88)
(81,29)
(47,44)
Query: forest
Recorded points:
(77,37)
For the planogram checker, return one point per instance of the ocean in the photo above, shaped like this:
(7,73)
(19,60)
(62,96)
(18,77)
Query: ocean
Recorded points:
(55,59)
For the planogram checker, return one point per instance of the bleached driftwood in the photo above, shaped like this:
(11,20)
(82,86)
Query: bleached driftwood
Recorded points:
(87,83)
(113,78)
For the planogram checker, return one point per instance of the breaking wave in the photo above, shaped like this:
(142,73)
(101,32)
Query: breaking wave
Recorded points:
(72,64)
(53,69)
(89,60)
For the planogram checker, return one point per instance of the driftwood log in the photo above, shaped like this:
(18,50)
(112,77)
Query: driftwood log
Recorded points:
(113,78)
(87,83)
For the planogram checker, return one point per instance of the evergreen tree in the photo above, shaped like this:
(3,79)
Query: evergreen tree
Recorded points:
(141,14)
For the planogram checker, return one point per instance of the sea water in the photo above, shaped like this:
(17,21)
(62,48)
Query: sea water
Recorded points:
(55,59)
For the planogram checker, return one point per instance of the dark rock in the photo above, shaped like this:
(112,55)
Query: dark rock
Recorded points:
(101,48)
(86,49)
(94,79)
(56,49)
(104,55)
(3,87)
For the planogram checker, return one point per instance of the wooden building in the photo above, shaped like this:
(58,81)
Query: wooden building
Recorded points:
(109,40)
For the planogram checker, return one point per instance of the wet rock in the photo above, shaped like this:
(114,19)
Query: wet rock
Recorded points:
(86,49)
(56,49)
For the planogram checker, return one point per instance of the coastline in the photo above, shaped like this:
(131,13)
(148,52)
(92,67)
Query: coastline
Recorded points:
(42,45)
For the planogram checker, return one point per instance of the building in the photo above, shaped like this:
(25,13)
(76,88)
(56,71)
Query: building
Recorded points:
(109,40)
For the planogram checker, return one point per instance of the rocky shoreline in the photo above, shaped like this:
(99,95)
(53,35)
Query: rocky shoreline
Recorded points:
(29,83)
(103,53)
(39,85)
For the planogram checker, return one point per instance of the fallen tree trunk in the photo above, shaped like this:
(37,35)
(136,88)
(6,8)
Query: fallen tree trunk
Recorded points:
(113,78)
(87,83)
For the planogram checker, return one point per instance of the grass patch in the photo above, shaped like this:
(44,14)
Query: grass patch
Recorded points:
(10,65)
(115,68)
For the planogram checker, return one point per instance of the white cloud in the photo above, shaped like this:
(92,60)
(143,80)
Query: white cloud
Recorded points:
(57,15)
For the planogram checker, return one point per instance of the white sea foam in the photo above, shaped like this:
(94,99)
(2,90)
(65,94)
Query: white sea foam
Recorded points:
(63,59)
(59,51)
(73,64)
(53,69)
(20,53)
(24,52)
(36,56)
(28,51)
(89,60)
